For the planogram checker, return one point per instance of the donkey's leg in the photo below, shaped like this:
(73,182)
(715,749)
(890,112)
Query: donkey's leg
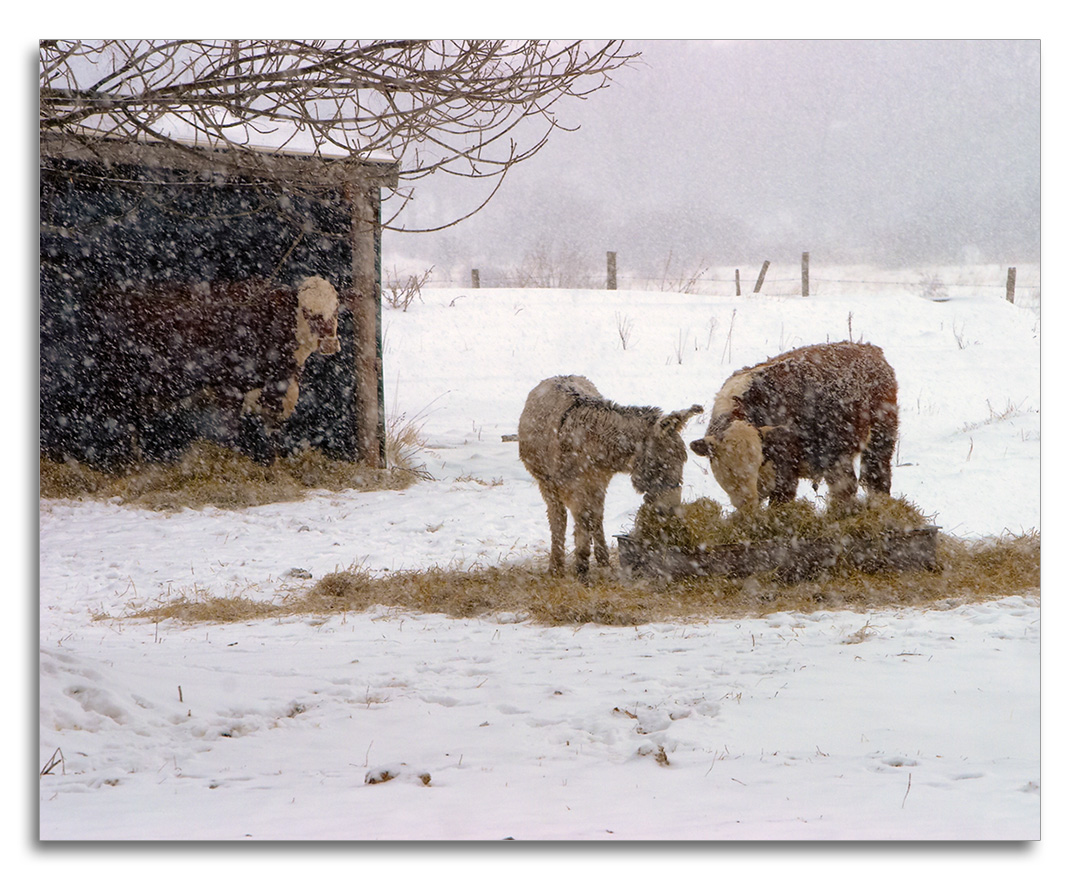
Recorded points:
(600,547)
(582,540)
(583,531)
(556,512)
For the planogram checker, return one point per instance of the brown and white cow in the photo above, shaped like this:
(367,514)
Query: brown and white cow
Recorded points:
(242,343)
(804,414)
(316,331)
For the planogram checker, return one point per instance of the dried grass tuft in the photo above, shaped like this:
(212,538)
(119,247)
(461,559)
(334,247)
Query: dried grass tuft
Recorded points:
(211,609)
(71,479)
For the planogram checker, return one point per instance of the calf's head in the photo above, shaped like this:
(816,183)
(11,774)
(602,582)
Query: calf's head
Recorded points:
(316,317)
(736,459)
(656,470)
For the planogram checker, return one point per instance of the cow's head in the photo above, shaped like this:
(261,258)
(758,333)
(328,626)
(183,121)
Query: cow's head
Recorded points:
(736,459)
(316,318)
(656,470)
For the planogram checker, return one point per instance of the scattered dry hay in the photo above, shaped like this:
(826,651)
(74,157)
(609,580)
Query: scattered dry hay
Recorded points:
(967,572)
(519,590)
(211,475)
(212,609)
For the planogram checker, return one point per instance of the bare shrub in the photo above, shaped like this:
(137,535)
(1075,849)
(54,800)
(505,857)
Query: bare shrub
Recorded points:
(553,265)
(1011,410)
(958,335)
(714,323)
(624,325)
(399,293)
(932,287)
(403,442)
(685,282)
(680,345)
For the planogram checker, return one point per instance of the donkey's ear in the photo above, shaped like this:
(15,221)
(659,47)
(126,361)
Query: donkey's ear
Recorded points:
(675,421)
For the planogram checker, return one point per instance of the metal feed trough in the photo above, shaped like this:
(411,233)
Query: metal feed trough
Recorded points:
(792,559)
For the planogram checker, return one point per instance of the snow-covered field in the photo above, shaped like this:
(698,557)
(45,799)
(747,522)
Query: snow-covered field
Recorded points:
(904,724)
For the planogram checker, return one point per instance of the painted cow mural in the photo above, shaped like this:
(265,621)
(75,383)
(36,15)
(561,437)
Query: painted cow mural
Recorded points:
(807,413)
(242,345)
(573,441)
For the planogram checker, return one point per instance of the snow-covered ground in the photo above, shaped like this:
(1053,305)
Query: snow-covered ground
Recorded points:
(902,724)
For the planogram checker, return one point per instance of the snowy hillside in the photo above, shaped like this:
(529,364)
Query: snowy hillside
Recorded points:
(902,724)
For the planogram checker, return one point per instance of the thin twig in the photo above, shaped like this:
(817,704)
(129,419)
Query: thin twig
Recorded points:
(50,765)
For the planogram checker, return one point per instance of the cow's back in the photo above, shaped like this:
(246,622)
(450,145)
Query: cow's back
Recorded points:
(543,414)
(171,340)
(799,384)
(829,394)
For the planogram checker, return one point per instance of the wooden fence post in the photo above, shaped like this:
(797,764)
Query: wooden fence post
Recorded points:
(761,276)
(806,273)
(1010,284)
(364,303)
(738,289)
(476,278)
(611,278)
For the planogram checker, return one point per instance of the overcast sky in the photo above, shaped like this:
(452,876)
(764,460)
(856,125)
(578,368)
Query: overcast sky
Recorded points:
(889,152)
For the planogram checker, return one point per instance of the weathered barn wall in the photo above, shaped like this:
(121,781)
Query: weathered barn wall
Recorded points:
(104,226)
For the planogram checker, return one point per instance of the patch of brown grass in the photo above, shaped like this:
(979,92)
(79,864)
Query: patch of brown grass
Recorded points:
(71,479)
(966,572)
(403,441)
(212,609)
(207,475)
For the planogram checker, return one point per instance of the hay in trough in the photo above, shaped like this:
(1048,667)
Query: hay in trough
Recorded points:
(702,524)
(794,540)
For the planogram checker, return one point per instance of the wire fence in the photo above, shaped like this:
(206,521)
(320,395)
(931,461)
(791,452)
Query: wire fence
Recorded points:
(644,283)
(936,283)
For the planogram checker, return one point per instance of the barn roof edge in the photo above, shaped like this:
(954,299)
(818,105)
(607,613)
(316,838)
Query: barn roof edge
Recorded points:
(254,161)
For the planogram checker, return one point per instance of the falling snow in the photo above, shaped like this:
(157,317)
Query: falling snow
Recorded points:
(390,724)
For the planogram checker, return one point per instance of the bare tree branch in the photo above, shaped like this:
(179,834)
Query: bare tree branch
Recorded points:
(469,108)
